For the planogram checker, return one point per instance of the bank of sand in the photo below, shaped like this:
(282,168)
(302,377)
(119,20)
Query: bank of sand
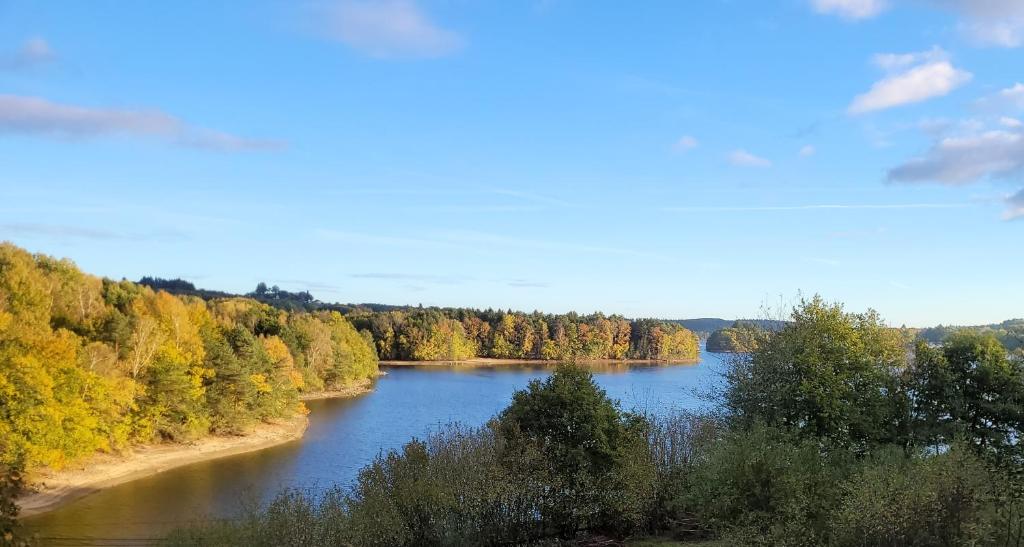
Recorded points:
(52,489)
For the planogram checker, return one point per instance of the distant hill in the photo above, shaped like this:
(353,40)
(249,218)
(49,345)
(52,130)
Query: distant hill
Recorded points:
(704,325)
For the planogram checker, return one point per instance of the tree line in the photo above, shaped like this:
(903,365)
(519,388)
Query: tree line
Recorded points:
(89,364)
(836,430)
(461,333)
(1010,333)
(405,333)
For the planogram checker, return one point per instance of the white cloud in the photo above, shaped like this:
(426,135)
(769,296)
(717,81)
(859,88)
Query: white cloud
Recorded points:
(965,159)
(390,29)
(1012,123)
(990,22)
(746,159)
(892,62)
(985,22)
(35,51)
(850,9)
(974,152)
(1009,99)
(686,142)
(1016,206)
(36,116)
(912,78)
(807,151)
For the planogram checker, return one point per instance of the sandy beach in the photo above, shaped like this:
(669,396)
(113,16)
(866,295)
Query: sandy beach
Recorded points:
(357,388)
(52,489)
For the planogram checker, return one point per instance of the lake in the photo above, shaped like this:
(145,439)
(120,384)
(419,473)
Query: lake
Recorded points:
(343,436)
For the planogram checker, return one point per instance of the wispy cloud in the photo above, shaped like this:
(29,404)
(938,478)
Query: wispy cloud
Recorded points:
(685,143)
(1012,123)
(389,29)
(360,238)
(307,285)
(997,23)
(743,158)
(531,197)
(36,116)
(1015,205)
(1010,99)
(473,241)
(815,207)
(413,279)
(823,261)
(526,284)
(912,78)
(422,278)
(495,240)
(850,9)
(989,22)
(34,52)
(68,232)
(807,151)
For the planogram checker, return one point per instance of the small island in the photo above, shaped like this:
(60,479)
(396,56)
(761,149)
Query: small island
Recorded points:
(741,337)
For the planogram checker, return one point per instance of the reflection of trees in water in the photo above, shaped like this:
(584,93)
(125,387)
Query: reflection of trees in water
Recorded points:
(527,366)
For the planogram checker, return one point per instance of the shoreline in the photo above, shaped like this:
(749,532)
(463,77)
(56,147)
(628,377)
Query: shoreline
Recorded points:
(490,362)
(51,490)
(361,387)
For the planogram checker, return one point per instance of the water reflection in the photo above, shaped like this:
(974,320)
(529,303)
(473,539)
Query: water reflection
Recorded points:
(344,435)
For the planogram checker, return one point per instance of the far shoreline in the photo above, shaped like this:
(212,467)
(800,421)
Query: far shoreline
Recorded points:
(490,361)
(51,490)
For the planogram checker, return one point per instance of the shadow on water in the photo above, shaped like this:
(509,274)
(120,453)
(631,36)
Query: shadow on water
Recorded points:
(343,436)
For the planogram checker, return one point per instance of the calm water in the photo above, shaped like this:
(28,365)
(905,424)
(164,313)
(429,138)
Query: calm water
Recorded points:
(344,435)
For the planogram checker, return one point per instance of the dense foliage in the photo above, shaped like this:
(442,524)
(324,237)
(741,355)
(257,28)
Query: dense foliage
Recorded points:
(835,431)
(451,334)
(90,364)
(741,337)
(829,375)
(1010,333)
(459,333)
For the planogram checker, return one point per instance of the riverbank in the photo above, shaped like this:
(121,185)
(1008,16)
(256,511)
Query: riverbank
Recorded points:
(360,387)
(491,362)
(52,489)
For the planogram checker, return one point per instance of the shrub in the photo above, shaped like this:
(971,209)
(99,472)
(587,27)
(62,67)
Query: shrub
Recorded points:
(940,500)
(761,486)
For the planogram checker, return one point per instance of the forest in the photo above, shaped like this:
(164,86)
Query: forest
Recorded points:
(89,364)
(407,333)
(454,334)
(836,430)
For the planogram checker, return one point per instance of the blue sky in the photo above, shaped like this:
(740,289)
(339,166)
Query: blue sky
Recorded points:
(661,158)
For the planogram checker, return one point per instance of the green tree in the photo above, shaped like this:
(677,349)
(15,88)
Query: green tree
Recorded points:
(827,374)
(969,388)
(586,449)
